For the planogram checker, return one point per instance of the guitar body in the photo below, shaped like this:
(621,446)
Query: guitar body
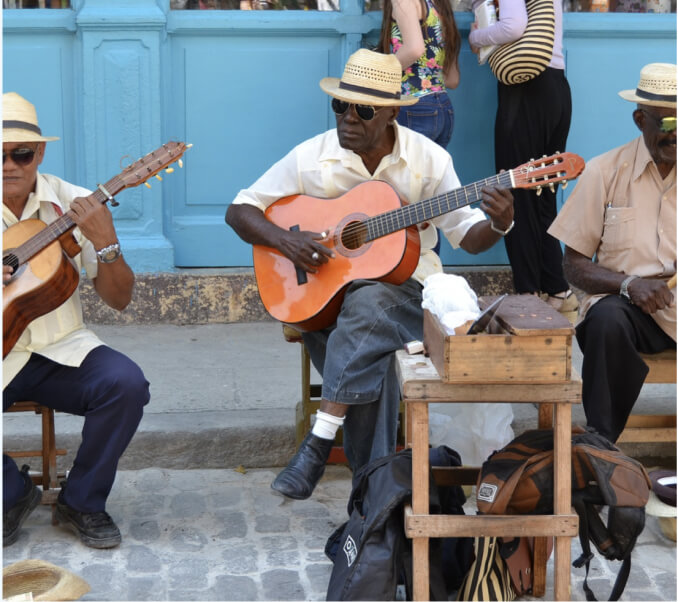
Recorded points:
(39,286)
(315,303)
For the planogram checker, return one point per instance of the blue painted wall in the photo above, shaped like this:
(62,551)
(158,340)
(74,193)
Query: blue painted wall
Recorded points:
(116,78)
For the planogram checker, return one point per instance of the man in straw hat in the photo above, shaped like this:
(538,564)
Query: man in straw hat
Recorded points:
(56,361)
(355,355)
(619,230)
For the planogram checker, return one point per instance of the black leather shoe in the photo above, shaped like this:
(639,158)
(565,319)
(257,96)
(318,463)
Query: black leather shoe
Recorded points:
(95,529)
(304,470)
(13,518)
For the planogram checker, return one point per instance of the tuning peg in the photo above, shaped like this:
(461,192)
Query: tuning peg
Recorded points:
(189,145)
(147,185)
(538,190)
(180,162)
(564,184)
(157,177)
(551,187)
(169,170)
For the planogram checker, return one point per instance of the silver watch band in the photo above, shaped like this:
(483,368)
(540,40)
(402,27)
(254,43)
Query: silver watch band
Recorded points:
(502,232)
(624,288)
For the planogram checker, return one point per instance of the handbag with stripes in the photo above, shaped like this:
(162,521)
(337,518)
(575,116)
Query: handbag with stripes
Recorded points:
(527,57)
(488,578)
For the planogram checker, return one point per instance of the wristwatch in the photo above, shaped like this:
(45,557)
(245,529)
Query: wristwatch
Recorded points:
(624,288)
(502,232)
(110,253)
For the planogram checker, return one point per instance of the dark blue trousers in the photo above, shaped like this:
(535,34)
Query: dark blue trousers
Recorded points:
(110,391)
(611,336)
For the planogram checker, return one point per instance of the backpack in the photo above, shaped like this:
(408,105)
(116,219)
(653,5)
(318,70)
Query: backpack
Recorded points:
(370,553)
(518,479)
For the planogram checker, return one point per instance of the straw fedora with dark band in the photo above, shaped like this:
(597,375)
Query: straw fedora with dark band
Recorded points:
(656,88)
(20,120)
(369,78)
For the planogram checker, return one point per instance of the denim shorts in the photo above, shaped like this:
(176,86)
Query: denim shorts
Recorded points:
(432,116)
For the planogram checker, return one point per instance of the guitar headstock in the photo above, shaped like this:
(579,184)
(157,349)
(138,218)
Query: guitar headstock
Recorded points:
(154,162)
(547,171)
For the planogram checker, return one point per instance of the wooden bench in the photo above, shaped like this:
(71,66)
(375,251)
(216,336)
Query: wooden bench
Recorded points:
(48,479)
(661,428)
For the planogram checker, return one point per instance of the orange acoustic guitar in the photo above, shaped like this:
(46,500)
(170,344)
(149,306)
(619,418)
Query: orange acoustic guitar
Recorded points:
(44,276)
(373,236)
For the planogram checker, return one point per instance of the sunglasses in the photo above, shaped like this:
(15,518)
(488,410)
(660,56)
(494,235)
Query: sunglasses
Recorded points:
(20,156)
(365,112)
(665,124)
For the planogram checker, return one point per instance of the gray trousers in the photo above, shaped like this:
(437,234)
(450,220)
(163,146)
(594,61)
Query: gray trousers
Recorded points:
(356,357)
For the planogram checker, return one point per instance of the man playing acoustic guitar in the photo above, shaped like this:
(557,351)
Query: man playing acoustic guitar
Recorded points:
(355,353)
(56,361)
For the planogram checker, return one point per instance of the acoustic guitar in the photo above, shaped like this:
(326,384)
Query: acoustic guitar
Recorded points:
(44,276)
(373,236)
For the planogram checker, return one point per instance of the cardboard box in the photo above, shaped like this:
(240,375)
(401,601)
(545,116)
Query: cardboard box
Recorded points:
(528,341)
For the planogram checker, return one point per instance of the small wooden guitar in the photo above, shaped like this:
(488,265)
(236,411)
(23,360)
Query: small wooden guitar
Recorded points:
(373,236)
(44,276)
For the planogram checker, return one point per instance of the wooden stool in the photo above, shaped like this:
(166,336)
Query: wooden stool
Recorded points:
(642,428)
(310,402)
(422,385)
(525,358)
(48,479)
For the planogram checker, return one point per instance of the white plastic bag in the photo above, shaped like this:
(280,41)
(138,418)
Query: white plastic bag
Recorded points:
(450,298)
(474,430)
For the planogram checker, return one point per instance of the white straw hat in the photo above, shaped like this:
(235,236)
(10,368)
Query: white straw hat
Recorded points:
(369,78)
(44,580)
(656,88)
(20,120)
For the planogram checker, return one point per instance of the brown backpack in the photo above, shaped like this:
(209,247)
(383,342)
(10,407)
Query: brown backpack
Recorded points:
(518,479)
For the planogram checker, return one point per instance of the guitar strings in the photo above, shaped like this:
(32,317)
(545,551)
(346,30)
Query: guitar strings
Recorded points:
(54,230)
(389,222)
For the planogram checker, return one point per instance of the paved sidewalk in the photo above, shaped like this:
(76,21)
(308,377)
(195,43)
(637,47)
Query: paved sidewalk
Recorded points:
(223,395)
(223,535)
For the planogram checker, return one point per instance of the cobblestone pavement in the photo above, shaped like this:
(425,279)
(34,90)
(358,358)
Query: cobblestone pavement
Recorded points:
(223,535)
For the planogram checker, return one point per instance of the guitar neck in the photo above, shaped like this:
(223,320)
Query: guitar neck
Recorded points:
(60,226)
(415,213)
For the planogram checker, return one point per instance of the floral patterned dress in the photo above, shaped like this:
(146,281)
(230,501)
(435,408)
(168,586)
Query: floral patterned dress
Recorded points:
(426,74)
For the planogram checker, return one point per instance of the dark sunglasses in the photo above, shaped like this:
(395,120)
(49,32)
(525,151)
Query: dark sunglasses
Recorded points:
(365,112)
(20,156)
(665,124)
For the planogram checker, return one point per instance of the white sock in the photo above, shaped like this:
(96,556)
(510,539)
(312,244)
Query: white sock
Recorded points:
(326,425)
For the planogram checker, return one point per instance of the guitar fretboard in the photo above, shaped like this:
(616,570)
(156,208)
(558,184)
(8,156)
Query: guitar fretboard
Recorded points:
(409,215)
(57,228)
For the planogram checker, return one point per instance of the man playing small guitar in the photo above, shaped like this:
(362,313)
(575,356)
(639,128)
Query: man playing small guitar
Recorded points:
(355,353)
(56,361)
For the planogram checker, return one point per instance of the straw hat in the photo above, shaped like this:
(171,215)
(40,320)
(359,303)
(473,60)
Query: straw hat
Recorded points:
(20,121)
(369,78)
(44,580)
(656,88)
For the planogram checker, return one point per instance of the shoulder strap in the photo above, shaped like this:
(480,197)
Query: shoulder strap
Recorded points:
(583,510)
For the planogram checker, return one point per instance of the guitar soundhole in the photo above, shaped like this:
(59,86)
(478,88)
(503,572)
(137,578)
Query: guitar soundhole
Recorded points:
(354,235)
(11,259)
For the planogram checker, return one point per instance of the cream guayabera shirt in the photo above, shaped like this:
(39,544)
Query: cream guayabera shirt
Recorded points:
(417,169)
(59,335)
(624,214)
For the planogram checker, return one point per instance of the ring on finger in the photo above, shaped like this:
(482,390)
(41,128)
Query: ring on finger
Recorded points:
(315,256)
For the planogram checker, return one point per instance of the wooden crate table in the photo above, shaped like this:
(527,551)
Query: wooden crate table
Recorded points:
(421,384)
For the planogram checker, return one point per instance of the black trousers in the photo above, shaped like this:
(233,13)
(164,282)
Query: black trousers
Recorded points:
(611,337)
(533,120)
(110,391)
